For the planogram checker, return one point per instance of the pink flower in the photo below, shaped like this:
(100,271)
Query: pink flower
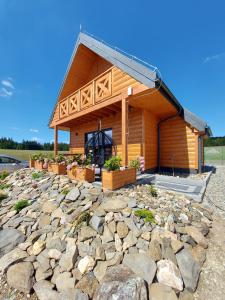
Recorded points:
(74,164)
(69,167)
(45,165)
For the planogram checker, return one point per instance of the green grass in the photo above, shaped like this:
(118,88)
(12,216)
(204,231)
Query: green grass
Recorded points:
(20,205)
(37,175)
(25,154)
(4,186)
(147,215)
(3,175)
(215,155)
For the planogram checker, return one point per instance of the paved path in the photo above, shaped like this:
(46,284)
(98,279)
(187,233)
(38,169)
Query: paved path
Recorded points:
(212,280)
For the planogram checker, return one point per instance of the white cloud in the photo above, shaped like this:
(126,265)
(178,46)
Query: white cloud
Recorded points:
(6,88)
(34,130)
(8,83)
(5,92)
(214,57)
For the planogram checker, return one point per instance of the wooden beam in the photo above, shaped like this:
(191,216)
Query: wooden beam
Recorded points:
(124,122)
(55,141)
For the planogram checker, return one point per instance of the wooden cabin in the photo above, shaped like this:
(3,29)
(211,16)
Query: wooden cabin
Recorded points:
(107,91)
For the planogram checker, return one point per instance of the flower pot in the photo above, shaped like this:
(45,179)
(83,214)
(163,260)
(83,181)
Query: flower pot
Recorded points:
(56,168)
(32,163)
(38,165)
(77,173)
(116,179)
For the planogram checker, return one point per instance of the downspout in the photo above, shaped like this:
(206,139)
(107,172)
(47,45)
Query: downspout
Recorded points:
(160,122)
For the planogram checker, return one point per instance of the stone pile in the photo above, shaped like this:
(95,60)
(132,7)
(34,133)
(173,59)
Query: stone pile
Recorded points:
(75,241)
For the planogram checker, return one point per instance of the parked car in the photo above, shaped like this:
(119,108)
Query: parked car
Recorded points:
(11,164)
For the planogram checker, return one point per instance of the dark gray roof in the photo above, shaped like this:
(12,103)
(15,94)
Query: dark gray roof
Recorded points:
(136,69)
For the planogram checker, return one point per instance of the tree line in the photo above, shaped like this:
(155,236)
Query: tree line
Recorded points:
(215,141)
(9,143)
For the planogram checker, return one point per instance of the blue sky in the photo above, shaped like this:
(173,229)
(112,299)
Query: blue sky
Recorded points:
(184,39)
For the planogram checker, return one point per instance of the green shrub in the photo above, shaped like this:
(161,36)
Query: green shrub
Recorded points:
(3,196)
(147,215)
(20,205)
(4,186)
(3,175)
(65,191)
(153,191)
(112,164)
(37,175)
(135,163)
(34,157)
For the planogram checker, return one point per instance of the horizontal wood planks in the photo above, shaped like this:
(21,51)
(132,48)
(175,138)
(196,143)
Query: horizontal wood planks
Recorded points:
(178,144)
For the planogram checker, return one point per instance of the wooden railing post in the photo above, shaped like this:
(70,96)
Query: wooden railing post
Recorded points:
(124,122)
(55,140)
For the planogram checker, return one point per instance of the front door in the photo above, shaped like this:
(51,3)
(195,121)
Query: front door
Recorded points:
(99,144)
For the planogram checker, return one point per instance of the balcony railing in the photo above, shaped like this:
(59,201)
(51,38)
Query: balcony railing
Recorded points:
(94,92)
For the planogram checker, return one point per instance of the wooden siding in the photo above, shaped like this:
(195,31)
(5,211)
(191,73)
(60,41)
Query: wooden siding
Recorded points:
(77,135)
(150,123)
(178,145)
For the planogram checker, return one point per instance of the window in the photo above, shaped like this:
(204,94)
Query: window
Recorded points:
(8,160)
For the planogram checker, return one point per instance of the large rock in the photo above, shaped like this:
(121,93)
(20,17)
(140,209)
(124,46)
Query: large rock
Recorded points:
(122,230)
(86,233)
(169,274)
(73,194)
(88,284)
(189,269)
(97,223)
(86,264)
(142,265)
(49,206)
(114,205)
(11,257)
(44,291)
(73,294)
(38,247)
(197,236)
(9,239)
(155,250)
(64,281)
(68,259)
(121,283)
(20,276)
(159,291)
(129,241)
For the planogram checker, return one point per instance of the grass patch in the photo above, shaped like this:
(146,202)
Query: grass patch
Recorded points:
(4,186)
(3,196)
(65,191)
(37,175)
(20,205)
(3,175)
(145,214)
(153,191)
(25,154)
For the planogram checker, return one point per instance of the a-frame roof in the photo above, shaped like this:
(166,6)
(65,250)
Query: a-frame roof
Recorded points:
(136,69)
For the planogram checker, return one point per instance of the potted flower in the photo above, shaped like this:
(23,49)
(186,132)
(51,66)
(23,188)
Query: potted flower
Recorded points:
(114,176)
(39,162)
(80,168)
(32,160)
(57,165)
(136,163)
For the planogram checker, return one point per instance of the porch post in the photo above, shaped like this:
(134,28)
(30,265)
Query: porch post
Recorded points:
(124,132)
(55,141)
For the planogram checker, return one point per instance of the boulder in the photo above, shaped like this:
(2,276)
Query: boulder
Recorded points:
(155,250)
(38,247)
(49,206)
(86,233)
(86,264)
(142,265)
(120,282)
(122,230)
(169,274)
(189,269)
(44,291)
(129,241)
(97,223)
(88,284)
(159,291)
(114,205)
(20,276)
(73,194)
(68,259)
(9,239)
(197,236)
(64,281)
(11,257)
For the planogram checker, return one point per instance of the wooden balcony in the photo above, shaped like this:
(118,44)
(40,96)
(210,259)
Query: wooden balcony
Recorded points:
(92,93)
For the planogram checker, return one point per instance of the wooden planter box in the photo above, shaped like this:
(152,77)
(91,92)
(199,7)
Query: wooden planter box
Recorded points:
(56,168)
(38,165)
(116,179)
(77,173)
(32,163)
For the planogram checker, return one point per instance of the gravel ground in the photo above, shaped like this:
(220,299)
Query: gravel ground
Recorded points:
(212,279)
